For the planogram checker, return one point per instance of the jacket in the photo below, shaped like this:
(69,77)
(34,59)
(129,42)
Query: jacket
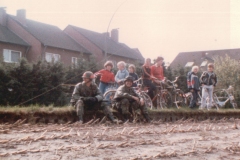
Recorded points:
(146,72)
(121,75)
(157,71)
(208,79)
(193,81)
(124,92)
(81,90)
(106,76)
(135,77)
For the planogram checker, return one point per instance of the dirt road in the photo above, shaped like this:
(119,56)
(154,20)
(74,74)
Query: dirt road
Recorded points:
(158,140)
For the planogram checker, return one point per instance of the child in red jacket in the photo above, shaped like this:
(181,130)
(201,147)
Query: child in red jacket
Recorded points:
(107,76)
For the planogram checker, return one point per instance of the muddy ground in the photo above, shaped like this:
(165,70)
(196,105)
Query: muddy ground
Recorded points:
(182,139)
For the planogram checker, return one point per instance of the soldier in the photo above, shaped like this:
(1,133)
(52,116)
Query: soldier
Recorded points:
(125,97)
(86,95)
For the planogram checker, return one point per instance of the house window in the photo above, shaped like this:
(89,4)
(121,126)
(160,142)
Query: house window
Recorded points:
(204,63)
(189,64)
(74,62)
(11,56)
(51,57)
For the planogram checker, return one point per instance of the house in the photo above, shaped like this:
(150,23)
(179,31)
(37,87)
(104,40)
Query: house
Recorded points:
(11,46)
(202,58)
(103,46)
(38,41)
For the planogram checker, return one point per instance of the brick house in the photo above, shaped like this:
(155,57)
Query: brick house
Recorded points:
(103,46)
(202,58)
(39,41)
(11,46)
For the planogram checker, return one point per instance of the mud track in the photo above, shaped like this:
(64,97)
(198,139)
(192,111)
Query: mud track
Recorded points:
(182,139)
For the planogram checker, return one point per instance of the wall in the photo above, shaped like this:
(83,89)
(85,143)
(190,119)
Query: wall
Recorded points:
(66,55)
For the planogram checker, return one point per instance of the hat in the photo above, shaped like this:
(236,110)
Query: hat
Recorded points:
(128,78)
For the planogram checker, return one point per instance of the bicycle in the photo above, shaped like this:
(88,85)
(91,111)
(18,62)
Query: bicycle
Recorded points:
(179,95)
(225,95)
(163,96)
(142,92)
(109,94)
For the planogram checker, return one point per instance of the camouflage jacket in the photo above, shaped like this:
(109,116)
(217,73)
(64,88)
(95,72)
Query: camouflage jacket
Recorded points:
(124,92)
(81,90)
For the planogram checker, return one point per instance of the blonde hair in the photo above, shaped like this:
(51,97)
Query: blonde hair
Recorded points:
(195,67)
(121,63)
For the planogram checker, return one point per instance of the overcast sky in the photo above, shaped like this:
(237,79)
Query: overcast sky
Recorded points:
(155,27)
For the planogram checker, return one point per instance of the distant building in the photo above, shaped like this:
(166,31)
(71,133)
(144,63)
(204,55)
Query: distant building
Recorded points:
(104,46)
(20,37)
(41,41)
(202,58)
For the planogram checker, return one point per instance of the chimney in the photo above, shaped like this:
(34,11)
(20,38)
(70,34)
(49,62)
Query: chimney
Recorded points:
(3,16)
(114,35)
(21,16)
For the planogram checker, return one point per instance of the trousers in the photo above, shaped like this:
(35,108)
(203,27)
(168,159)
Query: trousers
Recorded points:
(207,92)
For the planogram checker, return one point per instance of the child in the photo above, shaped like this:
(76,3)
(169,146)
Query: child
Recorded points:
(147,77)
(133,74)
(122,73)
(208,81)
(107,76)
(193,85)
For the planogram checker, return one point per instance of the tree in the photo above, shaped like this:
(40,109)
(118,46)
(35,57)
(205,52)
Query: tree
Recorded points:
(227,71)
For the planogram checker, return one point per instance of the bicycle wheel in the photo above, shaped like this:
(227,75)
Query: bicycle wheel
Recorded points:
(147,100)
(215,101)
(165,99)
(109,95)
(179,99)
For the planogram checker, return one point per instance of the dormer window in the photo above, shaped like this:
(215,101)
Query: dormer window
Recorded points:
(189,64)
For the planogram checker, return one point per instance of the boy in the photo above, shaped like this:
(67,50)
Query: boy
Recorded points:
(193,85)
(208,80)
(133,74)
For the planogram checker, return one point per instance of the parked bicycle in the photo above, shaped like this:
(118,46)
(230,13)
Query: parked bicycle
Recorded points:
(142,92)
(223,96)
(220,98)
(163,96)
(109,94)
(179,96)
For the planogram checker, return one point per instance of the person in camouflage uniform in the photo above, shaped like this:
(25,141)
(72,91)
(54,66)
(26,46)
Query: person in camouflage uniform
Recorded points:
(86,95)
(126,99)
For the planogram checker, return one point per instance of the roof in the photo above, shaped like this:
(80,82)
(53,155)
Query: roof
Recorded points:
(50,35)
(109,46)
(198,57)
(8,36)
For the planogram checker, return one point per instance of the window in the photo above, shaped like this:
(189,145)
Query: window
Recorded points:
(204,63)
(11,56)
(189,64)
(51,57)
(74,62)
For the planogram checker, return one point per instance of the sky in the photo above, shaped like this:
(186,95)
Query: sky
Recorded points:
(155,27)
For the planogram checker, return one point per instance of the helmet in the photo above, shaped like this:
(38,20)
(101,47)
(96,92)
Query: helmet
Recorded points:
(128,78)
(108,63)
(88,74)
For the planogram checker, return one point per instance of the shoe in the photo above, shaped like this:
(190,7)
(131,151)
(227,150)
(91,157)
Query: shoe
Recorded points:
(148,119)
(111,118)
